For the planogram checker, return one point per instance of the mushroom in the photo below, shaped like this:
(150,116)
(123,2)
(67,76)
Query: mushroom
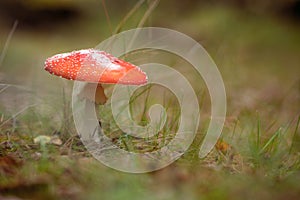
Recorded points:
(94,66)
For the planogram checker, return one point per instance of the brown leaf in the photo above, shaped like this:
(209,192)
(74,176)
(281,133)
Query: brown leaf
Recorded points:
(222,146)
(9,164)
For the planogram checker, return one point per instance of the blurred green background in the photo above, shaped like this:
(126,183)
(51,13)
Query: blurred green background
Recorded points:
(256,46)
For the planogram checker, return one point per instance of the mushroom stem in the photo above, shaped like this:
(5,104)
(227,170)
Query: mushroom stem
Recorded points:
(98,97)
(89,93)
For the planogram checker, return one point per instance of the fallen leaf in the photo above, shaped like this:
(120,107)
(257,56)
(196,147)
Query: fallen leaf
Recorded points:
(56,140)
(9,164)
(222,146)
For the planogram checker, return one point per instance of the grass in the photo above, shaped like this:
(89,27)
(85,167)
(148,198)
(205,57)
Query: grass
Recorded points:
(140,103)
(257,156)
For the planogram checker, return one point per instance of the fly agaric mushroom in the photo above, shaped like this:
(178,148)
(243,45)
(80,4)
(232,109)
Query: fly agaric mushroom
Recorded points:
(94,66)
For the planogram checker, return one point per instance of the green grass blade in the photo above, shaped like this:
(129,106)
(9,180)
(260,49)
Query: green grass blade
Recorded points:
(270,141)
(258,133)
(295,134)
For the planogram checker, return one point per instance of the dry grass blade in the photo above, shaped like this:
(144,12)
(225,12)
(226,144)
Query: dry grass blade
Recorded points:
(8,41)
(150,9)
(18,113)
(6,86)
(152,6)
(128,15)
(107,16)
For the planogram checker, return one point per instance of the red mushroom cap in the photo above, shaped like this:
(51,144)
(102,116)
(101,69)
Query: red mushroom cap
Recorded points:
(96,66)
